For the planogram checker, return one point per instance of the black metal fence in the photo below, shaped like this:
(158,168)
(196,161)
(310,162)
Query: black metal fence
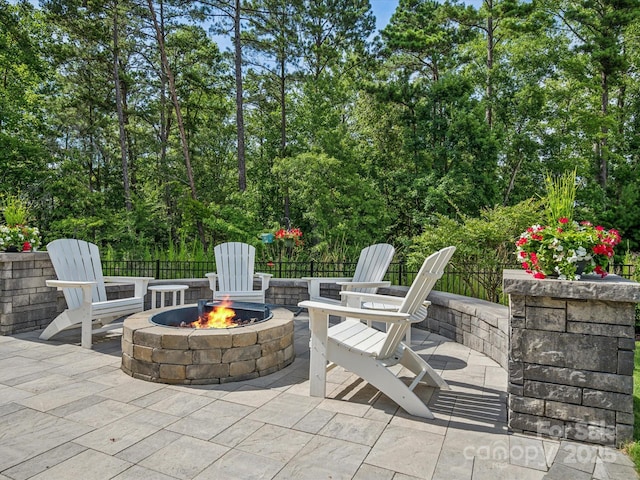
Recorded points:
(469,280)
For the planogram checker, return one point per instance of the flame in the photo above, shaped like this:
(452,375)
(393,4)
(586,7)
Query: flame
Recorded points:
(220,317)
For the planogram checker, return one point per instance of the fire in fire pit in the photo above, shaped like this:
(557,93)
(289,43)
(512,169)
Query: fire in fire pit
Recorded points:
(224,314)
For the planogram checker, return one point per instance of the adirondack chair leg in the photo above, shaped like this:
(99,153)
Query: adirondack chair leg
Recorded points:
(62,321)
(318,323)
(378,375)
(68,318)
(421,369)
(86,332)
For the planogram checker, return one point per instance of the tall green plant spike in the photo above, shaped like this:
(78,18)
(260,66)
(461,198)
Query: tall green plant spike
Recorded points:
(560,196)
(14,210)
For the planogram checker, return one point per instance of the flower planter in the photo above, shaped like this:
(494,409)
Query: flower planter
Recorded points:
(566,250)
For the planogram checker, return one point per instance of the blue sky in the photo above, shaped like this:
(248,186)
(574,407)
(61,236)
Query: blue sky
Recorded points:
(383,9)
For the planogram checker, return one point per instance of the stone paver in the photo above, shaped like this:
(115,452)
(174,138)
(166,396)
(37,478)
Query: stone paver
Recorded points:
(68,412)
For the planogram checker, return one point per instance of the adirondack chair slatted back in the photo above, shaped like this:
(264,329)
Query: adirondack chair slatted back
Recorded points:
(372,265)
(431,270)
(77,260)
(235,266)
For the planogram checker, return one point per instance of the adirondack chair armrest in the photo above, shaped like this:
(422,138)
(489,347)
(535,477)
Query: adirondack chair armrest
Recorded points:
(360,313)
(313,285)
(326,279)
(213,278)
(140,283)
(60,284)
(371,301)
(86,287)
(351,285)
(373,297)
(264,277)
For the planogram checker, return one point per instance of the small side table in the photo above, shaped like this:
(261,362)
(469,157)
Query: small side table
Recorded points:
(162,289)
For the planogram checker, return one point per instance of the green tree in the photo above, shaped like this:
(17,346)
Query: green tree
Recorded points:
(597,28)
(331,202)
(23,69)
(444,159)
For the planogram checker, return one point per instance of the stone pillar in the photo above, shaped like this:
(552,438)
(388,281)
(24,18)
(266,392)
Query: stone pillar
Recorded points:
(26,303)
(571,350)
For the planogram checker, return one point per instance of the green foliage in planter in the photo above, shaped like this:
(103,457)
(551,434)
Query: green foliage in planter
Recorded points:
(14,210)
(560,196)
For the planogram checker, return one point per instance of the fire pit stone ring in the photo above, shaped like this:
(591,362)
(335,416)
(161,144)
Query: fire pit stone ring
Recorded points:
(204,356)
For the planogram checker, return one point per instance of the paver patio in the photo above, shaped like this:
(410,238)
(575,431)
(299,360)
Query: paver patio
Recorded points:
(70,413)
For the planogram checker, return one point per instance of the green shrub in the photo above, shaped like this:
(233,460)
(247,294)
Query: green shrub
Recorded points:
(486,243)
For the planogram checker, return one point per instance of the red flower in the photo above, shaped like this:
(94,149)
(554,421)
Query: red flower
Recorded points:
(563,220)
(600,271)
(539,275)
(559,230)
(270,263)
(535,236)
(26,247)
(525,265)
(521,241)
(534,257)
(603,249)
(599,228)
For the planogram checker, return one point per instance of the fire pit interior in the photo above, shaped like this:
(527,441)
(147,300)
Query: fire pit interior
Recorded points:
(167,346)
(219,314)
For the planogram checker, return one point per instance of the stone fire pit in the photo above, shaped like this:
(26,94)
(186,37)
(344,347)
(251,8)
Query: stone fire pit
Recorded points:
(202,356)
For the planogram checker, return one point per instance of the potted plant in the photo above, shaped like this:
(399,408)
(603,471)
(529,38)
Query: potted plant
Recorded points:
(15,234)
(290,237)
(566,250)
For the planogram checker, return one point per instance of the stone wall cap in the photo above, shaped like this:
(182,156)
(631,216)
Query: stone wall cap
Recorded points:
(589,287)
(23,256)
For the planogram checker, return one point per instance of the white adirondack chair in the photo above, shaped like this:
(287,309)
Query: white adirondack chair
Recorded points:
(235,273)
(79,270)
(372,264)
(369,353)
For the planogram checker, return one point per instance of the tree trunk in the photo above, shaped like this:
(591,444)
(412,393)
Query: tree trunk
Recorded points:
(512,179)
(283,103)
(283,112)
(604,130)
(242,177)
(489,86)
(120,111)
(176,105)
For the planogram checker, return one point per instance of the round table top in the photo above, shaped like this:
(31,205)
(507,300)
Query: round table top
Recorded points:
(168,288)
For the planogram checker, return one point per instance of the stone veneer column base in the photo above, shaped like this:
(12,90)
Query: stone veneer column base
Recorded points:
(571,357)
(26,303)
